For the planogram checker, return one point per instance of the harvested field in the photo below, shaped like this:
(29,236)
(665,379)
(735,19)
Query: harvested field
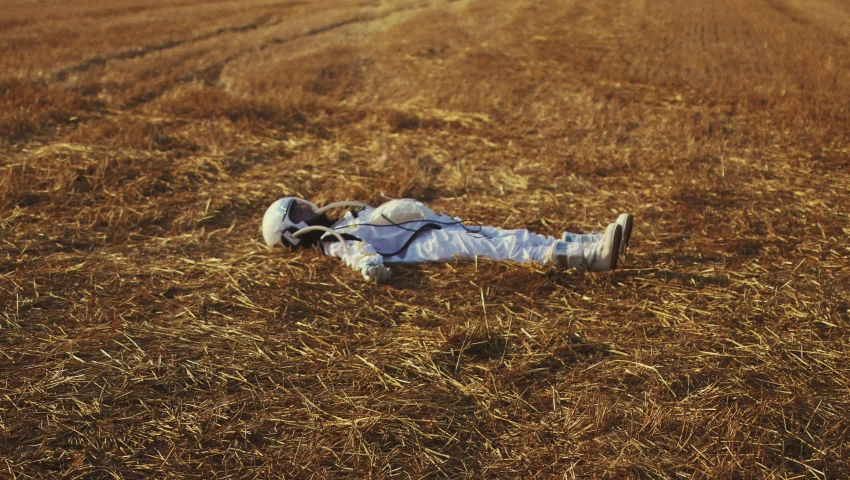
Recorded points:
(147,331)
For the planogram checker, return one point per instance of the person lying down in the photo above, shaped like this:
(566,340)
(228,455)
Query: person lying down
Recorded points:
(407,231)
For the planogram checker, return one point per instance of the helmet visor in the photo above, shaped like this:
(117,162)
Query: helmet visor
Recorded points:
(301,212)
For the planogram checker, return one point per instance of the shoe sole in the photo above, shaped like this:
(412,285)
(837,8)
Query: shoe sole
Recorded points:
(627,232)
(618,238)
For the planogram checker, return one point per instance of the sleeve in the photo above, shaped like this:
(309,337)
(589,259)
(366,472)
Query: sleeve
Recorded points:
(361,257)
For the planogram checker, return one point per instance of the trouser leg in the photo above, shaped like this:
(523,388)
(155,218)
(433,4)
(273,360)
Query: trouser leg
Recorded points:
(523,235)
(450,244)
(581,237)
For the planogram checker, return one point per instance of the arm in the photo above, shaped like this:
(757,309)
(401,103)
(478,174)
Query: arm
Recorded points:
(361,257)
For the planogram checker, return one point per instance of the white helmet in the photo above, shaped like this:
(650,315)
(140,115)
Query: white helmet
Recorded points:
(284,218)
(289,217)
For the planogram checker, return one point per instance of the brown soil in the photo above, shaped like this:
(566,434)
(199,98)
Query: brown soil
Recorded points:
(146,330)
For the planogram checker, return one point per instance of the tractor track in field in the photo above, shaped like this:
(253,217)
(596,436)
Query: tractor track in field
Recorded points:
(263,22)
(788,12)
(209,74)
(141,51)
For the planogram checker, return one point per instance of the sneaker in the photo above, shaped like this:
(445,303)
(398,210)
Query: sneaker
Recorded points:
(602,255)
(592,256)
(624,220)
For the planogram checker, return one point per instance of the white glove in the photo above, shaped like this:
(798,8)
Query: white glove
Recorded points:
(376,273)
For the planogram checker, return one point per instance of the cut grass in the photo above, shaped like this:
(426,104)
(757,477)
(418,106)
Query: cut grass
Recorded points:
(146,331)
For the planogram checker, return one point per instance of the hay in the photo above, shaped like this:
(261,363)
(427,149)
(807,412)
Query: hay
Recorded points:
(146,331)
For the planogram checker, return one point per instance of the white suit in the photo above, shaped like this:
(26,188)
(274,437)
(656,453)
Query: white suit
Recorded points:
(407,231)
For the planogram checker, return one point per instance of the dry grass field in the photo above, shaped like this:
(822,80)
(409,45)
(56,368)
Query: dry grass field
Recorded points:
(147,332)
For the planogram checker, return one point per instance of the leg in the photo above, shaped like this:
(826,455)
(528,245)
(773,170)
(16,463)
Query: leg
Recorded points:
(596,256)
(522,235)
(453,243)
(581,237)
(624,220)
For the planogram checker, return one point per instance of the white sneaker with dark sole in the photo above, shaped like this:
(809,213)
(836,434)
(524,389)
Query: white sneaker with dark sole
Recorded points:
(591,256)
(603,254)
(624,220)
